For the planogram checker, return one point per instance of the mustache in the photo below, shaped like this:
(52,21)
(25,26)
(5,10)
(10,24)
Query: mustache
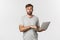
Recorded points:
(29,13)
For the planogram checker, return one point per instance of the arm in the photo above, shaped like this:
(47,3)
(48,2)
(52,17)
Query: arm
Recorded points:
(37,28)
(23,28)
(40,30)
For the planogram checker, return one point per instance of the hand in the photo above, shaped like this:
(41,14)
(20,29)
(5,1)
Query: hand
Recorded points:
(34,27)
(28,27)
(42,30)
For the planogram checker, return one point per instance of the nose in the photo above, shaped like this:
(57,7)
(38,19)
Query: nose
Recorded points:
(28,10)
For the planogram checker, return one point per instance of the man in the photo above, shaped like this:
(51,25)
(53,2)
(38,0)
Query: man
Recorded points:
(29,24)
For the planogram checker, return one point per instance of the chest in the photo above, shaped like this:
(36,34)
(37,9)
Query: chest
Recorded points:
(28,22)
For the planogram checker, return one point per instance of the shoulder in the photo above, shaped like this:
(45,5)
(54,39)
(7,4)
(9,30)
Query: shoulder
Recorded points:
(36,17)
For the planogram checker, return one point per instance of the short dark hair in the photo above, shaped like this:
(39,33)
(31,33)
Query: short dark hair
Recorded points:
(28,5)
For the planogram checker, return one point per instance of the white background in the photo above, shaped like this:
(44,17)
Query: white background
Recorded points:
(12,10)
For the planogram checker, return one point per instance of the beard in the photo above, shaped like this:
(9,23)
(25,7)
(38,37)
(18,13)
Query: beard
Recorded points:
(29,13)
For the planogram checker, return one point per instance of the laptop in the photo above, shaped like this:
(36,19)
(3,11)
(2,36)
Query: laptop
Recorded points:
(45,25)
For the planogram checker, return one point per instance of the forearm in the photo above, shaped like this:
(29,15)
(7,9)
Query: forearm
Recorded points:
(24,28)
(40,30)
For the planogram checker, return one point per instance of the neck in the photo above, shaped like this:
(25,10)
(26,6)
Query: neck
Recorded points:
(30,16)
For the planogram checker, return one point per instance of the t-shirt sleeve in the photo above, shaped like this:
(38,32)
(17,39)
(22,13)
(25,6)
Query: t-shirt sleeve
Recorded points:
(38,24)
(21,21)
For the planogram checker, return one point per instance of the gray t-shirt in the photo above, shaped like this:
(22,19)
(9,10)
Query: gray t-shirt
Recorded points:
(30,34)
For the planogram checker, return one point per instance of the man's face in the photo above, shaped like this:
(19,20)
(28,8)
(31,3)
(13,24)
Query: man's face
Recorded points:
(29,10)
